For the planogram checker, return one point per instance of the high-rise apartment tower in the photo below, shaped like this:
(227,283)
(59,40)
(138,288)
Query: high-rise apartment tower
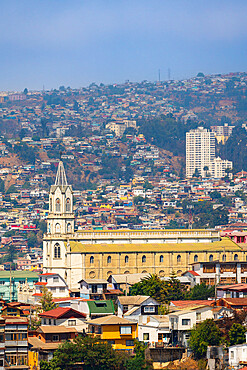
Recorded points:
(200,151)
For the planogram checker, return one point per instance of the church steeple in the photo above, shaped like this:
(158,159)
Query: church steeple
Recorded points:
(61,217)
(61,179)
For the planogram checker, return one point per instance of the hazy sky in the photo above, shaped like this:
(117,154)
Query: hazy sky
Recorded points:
(76,42)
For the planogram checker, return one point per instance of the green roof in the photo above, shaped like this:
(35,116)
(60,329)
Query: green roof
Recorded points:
(101,307)
(225,244)
(19,275)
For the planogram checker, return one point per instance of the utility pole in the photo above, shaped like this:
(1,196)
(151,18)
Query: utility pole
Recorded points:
(10,283)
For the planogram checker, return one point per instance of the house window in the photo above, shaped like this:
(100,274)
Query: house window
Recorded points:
(235,257)
(232,354)
(55,338)
(179,259)
(145,336)
(55,279)
(125,307)
(196,258)
(129,343)
(149,309)
(185,321)
(91,259)
(2,282)
(161,259)
(126,260)
(49,321)
(224,258)
(69,228)
(125,330)
(62,289)
(50,204)
(211,258)
(44,321)
(198,316)
(71,322)
(67,205)
(94,288)
(109,259)
(58,206)
(54,322)
(144,259)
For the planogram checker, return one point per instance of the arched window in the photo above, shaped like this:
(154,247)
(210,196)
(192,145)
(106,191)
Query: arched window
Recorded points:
(58,205)
(57,228)
(179,259)
(224,258)
(126,259)
(91,259)
(144,259)
(211,258)
(57,251)
(161,273)
(235,257)
(50,204)
(49,228)
(109,259)
(161,259)
(69,228)
(196,258)
(67,205)
(179,272)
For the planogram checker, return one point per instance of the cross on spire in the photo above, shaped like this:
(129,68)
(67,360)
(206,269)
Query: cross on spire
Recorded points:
(61,179)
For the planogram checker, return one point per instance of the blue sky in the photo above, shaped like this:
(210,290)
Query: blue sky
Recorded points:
(76,42)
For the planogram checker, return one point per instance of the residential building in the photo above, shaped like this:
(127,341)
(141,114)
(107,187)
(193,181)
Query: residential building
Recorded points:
(93,288)
(218,167)
(47,339)
(16,342)
(220,272)
(54,283)
(135,306)
(116,330)
(10,280)
(65,316)
(200,150)
(238,355)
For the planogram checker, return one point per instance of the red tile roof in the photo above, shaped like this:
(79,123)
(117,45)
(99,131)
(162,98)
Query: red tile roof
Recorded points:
(202,302)
(40,283)
(193,273)
(60,312)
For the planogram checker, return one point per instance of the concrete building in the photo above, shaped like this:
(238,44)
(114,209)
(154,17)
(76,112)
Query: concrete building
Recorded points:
(200,155)
(218,167)
(200,150)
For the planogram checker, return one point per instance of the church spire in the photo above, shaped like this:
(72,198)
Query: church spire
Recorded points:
(61,179)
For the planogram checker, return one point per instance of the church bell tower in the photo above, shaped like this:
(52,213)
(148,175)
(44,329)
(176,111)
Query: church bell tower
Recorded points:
(61,216)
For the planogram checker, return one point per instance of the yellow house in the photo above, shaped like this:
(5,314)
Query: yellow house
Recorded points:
(117,331)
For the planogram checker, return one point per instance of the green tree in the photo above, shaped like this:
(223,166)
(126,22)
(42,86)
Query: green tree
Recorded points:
(31,240)
(175,289)
(151,285)
(203,335)
(237,334)
(201,291)
(46,300)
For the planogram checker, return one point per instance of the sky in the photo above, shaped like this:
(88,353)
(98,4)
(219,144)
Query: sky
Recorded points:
(50,43)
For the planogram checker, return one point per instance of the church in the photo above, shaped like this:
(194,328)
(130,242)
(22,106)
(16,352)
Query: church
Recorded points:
(90,254)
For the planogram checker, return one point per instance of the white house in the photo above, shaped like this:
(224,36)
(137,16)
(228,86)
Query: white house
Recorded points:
(135,306)
(64,316)
(181,322)
(153,329)
(238,354)
(93,288)
(54,283)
